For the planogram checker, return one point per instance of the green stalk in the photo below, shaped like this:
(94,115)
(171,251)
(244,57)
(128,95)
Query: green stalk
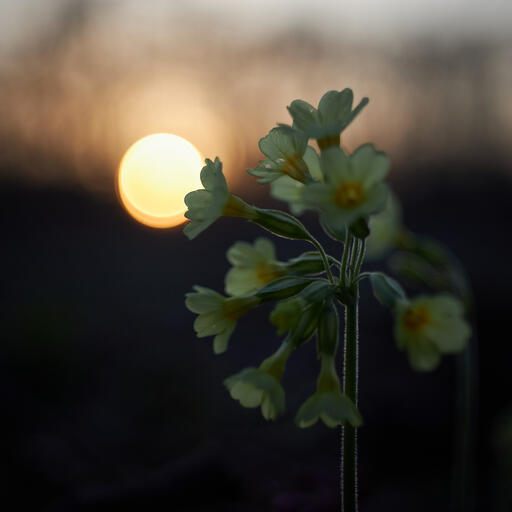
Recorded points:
(360,258)
(354,255)
(349,433)
(344,258)
(320,249)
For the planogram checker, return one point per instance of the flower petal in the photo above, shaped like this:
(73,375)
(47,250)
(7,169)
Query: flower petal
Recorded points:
(203,300)
(220,342)
(335,166)
(336,105)
(242,281)
(212,177)
(369,165)
(312,160)
(423,355)
(282,143)
(309,412)
(212,323)
(303,114)
(194,228)
(266,248)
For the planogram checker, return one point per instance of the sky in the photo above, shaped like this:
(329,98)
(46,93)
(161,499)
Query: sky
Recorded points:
(368,19)
(85,79)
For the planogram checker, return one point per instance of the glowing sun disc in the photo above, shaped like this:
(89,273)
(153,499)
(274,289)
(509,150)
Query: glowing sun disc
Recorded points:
(156,172)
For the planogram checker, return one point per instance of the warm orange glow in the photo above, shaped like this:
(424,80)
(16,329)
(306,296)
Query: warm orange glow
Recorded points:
(154,175)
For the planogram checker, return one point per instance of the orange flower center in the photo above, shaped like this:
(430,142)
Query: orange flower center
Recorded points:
(234,308)
(266,273)
(416,319)
(349,195)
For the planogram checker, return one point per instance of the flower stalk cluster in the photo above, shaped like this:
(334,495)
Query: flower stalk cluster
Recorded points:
(356,208)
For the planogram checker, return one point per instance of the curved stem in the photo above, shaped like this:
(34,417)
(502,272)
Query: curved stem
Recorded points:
(320,249)
(350,384)
(361,276)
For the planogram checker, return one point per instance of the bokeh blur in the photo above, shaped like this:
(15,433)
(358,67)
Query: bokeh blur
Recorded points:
(110,401)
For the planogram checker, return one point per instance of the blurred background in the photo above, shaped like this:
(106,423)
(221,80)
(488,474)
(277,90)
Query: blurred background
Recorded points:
(111,401)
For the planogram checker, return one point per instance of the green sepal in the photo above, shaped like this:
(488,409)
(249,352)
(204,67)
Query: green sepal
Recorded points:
(280,224)
(328,330)
(306,326)
(359,228)
(283,287)
(318,291)
(310,262)
(386,290)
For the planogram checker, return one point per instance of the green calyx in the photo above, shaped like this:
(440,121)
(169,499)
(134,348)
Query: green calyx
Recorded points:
(280,224)
(328,330)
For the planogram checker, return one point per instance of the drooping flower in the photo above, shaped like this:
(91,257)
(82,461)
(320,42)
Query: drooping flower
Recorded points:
(333,115)
(429,326)
(290,190)
(254,387)
(205,206)
(284,148)
(286,314)
(217,314)
(353,186)
(385,228)
(328,404)
(253,266)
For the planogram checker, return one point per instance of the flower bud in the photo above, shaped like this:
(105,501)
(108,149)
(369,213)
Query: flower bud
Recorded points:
(386,290)
(359,228)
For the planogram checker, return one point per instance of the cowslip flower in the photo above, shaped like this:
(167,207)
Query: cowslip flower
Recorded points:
(217,314)
(353,186)
(385,228)
(326,123)
(289,190)
(205,206)
(328,403)
(284,148)
(253,266)
(254,387)
(429,326)
(286,314)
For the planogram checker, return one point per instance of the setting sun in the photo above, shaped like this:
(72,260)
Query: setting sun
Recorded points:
(154,175)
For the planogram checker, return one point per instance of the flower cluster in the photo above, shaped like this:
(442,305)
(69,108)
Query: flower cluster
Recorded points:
(354,204)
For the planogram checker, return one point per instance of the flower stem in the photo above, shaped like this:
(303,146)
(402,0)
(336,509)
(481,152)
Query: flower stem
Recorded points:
(352,258)
(350,377)
(360,259)
(320,249)
(344,258)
